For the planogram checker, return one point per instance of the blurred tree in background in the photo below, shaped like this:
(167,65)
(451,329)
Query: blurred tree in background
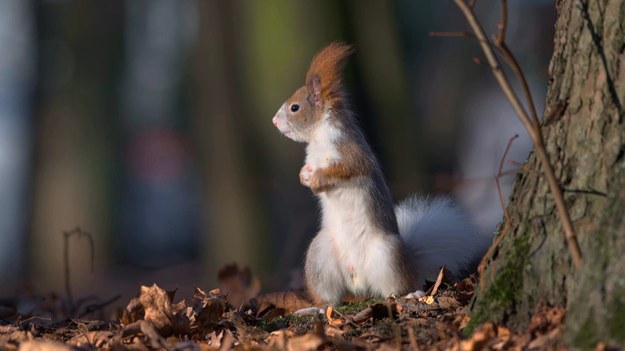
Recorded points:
(78,46)
(147,123)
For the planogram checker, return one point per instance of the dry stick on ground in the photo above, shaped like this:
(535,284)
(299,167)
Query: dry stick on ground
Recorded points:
(439,281)
(531,123)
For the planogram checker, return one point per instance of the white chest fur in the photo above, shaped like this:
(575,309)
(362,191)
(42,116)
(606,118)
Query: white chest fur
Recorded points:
(321,150)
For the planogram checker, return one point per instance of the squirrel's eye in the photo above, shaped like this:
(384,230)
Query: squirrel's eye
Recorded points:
(294,108)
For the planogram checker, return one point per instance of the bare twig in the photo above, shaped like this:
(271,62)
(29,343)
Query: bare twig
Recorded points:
(482,266)
(504,207)
(503,23)
(500,173)
(66,235)
(451,34)
(530,123)
(95,307)
(516,67)
(517,164)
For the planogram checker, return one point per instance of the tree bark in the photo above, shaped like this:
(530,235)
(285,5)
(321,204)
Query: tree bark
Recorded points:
(584,135)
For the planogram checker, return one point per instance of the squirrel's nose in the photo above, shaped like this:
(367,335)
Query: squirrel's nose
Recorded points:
(275,121)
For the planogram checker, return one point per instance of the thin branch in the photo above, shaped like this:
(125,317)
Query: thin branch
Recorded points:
(495,66)
(500,174)
(519,165)
(516,67)
(530,124)
(506,54)
(504,207)
(503,23)
(66,235)
(482,266)
(451,34)
(95,307)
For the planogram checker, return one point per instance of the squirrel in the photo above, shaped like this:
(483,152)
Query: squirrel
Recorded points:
(365,245)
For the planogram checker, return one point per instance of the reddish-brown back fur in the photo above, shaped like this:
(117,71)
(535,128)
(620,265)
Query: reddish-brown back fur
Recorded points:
(328,65)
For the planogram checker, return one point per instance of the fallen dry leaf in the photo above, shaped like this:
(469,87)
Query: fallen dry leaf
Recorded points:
(246,333)
(156,303)
(462,320)
(96,338)
(549,339)
(503,333)
(278,339)
(154,338)
(227,342)
(290,301)
(333,332)
(40,345)
(308,341)
(209,307)
(337,322)
(238,284)
(447,302)
(479,338)
(214,339)
(363,315)
(427,299)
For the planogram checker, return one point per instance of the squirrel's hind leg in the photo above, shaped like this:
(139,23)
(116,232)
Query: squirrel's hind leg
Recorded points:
(324,280)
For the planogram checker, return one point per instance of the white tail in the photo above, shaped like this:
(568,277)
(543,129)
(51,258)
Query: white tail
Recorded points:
(437,233)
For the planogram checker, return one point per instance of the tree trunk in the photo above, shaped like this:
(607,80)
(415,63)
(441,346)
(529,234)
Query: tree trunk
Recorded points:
(78,44)
(233,230)
(584,135)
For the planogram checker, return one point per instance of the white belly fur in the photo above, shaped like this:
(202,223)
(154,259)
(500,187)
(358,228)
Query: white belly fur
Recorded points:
(364,252)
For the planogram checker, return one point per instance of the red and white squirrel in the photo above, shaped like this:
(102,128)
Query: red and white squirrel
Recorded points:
(365,246)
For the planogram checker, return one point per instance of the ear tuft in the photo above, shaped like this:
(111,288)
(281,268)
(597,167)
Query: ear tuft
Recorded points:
(313,84)
(324,74)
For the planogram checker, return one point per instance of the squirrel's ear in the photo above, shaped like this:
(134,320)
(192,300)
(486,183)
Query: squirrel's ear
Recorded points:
(314,90)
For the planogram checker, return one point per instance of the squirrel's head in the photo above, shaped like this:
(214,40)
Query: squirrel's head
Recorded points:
(301,114)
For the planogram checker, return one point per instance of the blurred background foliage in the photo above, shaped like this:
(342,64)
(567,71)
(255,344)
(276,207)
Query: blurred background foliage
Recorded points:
(148,124)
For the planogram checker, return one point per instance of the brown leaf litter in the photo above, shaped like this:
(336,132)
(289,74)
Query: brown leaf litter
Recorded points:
(236,317)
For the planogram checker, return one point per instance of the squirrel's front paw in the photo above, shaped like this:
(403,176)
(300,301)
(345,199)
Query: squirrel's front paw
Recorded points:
(305,175)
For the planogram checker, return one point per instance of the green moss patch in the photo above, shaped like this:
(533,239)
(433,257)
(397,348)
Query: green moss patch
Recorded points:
(586,337)
(300,324)
(505,288)
(616,318)
(357,306)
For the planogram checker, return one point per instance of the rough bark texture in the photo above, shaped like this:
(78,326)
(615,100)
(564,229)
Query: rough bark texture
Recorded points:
(584,133)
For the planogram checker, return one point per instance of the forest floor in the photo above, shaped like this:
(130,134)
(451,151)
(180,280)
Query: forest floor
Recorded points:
(210,321)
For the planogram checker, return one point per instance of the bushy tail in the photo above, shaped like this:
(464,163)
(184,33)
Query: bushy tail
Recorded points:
(438,233)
